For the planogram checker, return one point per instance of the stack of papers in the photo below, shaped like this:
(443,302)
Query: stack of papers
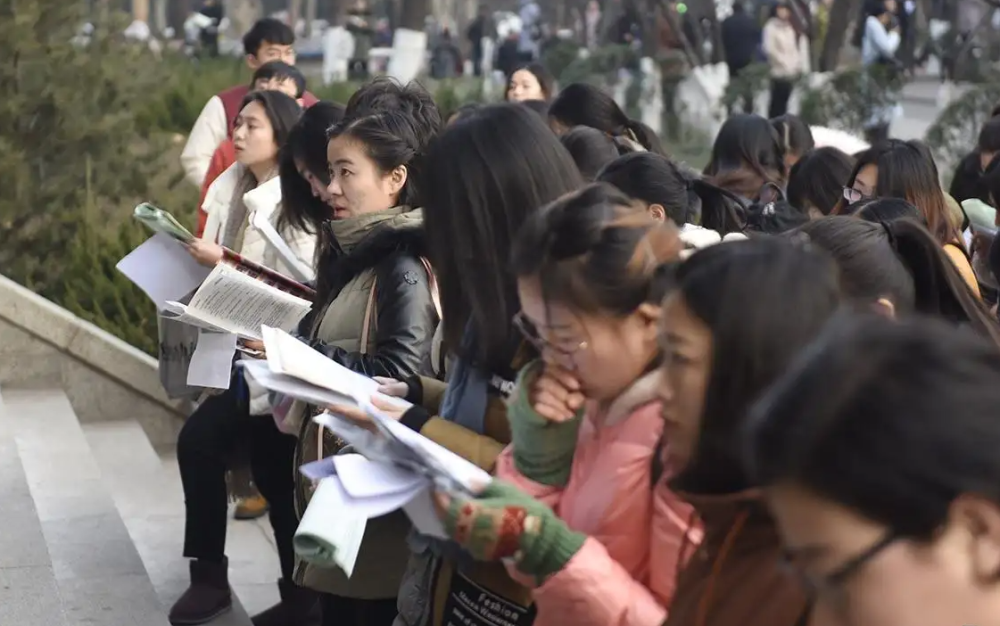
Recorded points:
(397,468)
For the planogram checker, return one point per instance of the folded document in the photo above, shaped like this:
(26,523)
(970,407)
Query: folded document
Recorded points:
(397,468)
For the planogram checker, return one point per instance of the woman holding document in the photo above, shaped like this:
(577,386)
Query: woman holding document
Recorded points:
(374,313)
(495,167)
(228,426)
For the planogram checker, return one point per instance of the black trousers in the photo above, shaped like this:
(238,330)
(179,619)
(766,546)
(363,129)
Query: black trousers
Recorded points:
(340,611)
(781,91)
(209,438)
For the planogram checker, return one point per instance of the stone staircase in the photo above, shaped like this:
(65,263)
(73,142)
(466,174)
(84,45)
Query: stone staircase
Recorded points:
(94,521)
(92,508)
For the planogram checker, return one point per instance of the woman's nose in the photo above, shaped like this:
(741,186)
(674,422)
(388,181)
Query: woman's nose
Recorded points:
(333,188)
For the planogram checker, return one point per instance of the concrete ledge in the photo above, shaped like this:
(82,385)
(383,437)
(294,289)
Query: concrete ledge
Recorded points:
(105,378)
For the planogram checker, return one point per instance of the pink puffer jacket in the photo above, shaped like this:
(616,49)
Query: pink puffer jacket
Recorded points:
(639,533)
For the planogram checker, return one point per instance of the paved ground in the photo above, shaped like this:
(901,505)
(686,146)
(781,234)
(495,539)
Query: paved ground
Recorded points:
(920,107)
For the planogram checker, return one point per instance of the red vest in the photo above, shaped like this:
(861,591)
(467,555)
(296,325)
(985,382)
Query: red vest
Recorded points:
(232,98)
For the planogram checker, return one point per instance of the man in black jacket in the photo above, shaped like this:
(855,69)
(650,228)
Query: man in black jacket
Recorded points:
(740,42)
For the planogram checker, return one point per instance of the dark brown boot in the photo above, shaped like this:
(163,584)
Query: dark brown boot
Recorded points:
(298,607)
(207,597)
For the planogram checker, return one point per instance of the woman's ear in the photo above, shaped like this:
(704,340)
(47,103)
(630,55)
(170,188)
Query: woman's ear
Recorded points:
(658,212)
(884,306)
(397,178)
(975,522)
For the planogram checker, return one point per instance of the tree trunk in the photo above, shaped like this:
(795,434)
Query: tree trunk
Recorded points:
(841,14)
(414,13)
(310,16)
(294,12)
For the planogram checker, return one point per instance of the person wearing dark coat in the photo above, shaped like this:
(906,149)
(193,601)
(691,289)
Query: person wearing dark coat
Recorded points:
(741,45)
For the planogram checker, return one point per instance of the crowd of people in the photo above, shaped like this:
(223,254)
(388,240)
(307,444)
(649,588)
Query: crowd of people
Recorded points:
(783,43)
(687,385)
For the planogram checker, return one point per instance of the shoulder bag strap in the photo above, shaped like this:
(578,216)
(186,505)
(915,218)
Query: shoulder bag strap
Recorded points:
(433,283)
(366,325)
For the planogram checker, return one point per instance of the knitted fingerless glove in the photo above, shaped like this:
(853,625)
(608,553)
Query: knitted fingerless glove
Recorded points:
(543,450)
(503,522)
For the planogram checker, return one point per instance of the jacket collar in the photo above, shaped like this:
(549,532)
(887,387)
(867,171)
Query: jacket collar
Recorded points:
(639,393)
(264,197)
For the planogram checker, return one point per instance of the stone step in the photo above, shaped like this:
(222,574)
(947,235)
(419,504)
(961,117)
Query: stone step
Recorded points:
(27,580)
(99,577)
(147,491)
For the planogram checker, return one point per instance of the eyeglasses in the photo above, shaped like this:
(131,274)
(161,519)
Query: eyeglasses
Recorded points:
(831,584)
(564,355)
(853,196)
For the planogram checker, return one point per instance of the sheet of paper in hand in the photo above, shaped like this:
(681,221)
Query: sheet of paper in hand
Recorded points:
(400,469)
(231,301)
(295,369)
(163,269)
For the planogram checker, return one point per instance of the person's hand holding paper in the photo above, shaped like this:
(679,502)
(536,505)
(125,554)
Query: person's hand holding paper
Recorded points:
(206,252)
(391,387)
(361,417)
(253,348)
(504,523)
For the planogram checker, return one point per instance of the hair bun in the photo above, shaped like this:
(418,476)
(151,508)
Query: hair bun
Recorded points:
(570,236)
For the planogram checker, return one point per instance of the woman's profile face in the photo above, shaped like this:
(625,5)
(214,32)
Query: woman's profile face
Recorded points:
(865,182)
(357,184)
(861,574)
(253,137)
(316,185)
(687,365)
(524,86)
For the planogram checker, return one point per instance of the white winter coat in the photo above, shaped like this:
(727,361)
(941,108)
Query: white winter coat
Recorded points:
(265,198)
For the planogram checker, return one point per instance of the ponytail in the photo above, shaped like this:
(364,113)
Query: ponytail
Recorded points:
(719,210)
(644,136)
(580,104)
(685,196)
(939,289)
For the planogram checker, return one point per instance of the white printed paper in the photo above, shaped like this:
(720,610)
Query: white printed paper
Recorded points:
(293,387)
(234,302)
(291,357)
(163,269)
(212,361)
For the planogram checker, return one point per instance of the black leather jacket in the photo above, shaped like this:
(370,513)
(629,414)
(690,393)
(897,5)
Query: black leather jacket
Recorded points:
(404,315)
